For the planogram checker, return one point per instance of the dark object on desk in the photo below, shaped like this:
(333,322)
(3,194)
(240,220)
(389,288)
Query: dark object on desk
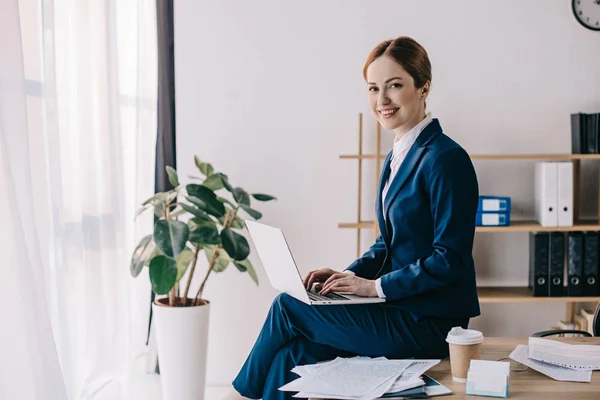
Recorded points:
(556,265)
(591,285)
(595,329)
(538,263)
(574,264)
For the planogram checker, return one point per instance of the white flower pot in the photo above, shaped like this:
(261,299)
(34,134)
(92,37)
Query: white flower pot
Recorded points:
(182,338)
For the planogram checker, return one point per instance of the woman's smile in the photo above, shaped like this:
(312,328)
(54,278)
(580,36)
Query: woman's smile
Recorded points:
(387,112)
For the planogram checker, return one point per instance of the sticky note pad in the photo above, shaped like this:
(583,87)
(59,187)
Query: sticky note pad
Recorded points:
(488,378)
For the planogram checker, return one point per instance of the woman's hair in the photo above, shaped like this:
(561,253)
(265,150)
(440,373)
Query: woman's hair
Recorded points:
(406,52)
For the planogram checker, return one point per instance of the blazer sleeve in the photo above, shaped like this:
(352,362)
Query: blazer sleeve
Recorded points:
(454,196)
(369,264)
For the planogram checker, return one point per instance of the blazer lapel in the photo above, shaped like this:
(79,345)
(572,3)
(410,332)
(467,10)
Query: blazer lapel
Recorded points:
(410,162)
(382,180)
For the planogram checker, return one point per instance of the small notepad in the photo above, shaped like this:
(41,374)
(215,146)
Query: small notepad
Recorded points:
(488,378)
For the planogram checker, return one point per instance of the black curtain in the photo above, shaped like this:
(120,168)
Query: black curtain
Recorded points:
(166,140)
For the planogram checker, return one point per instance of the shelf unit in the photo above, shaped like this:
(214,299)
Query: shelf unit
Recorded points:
(491,294)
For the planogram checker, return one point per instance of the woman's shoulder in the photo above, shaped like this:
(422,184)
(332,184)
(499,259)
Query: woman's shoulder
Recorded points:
(442,146)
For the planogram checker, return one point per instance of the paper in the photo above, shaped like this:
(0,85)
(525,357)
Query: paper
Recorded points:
(356,379)
(520,354)
(574,356)
(488,378)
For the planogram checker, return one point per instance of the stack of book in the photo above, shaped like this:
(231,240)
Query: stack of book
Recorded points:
(582,321)
(493,211)
(585,133)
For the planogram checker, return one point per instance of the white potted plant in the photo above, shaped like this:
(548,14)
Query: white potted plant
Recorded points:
(190,221)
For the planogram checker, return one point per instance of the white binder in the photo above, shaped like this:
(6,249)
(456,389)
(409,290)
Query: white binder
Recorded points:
(565,194)
(546,193)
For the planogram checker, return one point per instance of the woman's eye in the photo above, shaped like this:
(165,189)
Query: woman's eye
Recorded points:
(372,89)
(394,85)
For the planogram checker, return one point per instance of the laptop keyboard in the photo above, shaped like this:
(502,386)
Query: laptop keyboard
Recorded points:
(329,296)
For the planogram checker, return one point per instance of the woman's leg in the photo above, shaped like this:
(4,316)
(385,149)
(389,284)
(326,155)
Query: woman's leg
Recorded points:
(369,330)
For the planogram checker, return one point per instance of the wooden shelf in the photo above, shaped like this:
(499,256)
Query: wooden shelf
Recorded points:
(533,226)
(516,226)
(523,295)
(498,156)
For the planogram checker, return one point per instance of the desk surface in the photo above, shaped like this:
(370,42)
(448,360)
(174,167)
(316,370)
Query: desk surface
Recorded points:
(530,384)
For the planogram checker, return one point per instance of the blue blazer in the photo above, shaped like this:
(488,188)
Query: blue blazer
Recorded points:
(424,253)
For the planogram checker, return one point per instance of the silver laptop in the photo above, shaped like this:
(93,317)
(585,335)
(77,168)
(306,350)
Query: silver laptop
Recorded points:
(283,273)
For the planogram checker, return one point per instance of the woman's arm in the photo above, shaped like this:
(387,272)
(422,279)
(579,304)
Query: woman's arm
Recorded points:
(369,264)
(454,195)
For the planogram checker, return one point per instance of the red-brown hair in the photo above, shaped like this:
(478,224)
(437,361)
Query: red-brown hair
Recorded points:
(406,52)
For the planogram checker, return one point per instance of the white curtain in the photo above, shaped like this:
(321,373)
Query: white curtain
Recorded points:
(77,143)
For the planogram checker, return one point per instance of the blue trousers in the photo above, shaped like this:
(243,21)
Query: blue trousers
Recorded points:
(295,333)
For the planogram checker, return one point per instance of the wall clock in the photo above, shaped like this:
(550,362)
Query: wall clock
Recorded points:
(587,13)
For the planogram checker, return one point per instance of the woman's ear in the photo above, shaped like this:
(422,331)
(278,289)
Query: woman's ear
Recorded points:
(425,90)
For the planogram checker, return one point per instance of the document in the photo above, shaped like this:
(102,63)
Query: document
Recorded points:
(574,356)
(350,379)
(520,354)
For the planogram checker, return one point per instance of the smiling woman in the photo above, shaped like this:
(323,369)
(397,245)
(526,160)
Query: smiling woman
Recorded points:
(421,264)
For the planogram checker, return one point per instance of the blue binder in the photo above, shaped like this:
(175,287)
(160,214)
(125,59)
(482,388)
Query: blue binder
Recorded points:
(492,219)
(493,204)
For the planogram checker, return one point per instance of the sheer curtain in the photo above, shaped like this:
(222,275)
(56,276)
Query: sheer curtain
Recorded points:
(78,129)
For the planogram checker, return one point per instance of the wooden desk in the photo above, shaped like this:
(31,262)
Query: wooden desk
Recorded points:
(530,384)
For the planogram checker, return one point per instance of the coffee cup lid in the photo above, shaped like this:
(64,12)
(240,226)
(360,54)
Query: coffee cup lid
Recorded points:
(458,335)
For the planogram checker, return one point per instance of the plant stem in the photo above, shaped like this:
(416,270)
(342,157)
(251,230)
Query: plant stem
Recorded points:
(172,296)
(226,224)
(191,275)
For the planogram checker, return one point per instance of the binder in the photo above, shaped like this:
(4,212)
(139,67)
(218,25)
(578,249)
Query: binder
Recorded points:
(492,219)
(546,193)
(493,204)
(565,194)
(538,263)
(574,264)
(578,134)
(591,286)
(556,265)
(592,133)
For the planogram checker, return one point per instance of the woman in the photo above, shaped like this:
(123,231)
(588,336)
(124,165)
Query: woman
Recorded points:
(421,263)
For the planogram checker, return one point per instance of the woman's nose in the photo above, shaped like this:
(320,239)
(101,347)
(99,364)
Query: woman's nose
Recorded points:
(383,98)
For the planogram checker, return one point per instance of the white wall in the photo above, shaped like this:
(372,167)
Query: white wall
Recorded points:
(270,91)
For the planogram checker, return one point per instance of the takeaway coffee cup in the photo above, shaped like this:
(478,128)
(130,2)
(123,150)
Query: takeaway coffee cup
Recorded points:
(464,347)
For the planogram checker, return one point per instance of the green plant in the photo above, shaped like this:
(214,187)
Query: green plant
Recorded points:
(210,227)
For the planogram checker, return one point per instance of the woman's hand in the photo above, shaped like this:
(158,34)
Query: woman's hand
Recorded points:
(342,282)
(319,276)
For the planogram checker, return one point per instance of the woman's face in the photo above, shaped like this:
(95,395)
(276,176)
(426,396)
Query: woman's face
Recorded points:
(393,98)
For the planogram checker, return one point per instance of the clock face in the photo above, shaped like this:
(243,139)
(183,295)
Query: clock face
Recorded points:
(587,13)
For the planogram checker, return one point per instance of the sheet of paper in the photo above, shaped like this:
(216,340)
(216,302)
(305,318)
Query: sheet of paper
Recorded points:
(520,354)
(574,356)
(410,378)
(363,379)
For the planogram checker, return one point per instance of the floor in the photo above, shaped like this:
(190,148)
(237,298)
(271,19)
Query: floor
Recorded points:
(147,387)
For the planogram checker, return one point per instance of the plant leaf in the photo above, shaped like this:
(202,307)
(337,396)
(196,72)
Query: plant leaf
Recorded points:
(224,200)
(141,255)
(226,183)
(253,213)
(205,235)
(159,209)
(205,168)
(213,182)
(263,197)
(140,211)
(235,244)
(246,266)
(238,223)
(198,222)
(195,211)
(163,274)
(183,261)
(172,176)
(170,236)
(162,196)
(222,261)
(241,196)
(208,199)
